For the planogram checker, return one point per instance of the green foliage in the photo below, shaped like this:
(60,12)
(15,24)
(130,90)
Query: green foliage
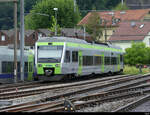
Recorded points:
(52,29)
(93,27)
(132,70)
(137,54)
(121,7)
(6,15)
(86,5)
(66,17)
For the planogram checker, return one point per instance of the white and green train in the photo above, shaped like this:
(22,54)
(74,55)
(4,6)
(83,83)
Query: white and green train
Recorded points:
(61,57)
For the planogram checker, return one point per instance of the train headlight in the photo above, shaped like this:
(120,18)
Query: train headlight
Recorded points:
(66,108)
(71,109)
(57,65)
(39,65)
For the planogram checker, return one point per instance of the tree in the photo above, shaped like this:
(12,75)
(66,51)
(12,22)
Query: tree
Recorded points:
(137,54)
(121,6)
(54,24)
(93,26)
(66,17)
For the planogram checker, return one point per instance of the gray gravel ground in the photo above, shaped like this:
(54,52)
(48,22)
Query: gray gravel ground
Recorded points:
(145,107)
(108,107)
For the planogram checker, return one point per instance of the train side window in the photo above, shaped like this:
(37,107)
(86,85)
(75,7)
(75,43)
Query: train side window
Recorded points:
(87,60)
(113,60)
(7,67)
(107,60)
(74,56)
(67,56)
(121,58)
(26,67)
(98,60)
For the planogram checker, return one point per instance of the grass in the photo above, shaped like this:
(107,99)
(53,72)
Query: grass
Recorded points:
(134,70)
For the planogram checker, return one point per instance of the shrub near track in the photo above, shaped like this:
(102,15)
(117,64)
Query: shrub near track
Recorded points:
(134,70)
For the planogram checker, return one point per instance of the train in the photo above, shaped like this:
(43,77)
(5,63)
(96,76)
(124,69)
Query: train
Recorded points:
(58,58)
(7,65)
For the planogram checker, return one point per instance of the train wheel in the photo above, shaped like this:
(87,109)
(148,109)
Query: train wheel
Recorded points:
(36,78)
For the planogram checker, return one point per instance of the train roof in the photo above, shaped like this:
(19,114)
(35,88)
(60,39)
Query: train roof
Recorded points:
(8,54)
(61,39)
(74,40)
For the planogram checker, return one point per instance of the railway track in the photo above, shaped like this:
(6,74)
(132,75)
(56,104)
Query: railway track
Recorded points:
(133,105)
(85,101)
(55,88)
(26,85)
(103,93)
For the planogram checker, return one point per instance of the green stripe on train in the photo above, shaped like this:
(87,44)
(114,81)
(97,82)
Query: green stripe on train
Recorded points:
(47,43)
(118,62)
(102,66)
(80,45)
(93,47)
(80,63)
(30,66)
(40,70)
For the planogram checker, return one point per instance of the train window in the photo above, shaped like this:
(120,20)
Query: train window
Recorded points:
(74,56)
(121,58)
(97,60)
(67,56)
(113,60)
(7,67)
(87,60)
(107,60)
(26,67)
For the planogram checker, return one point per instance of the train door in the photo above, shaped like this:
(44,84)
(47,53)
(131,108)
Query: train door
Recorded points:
(102,63)
(118,62)
(80,63)
(30,66)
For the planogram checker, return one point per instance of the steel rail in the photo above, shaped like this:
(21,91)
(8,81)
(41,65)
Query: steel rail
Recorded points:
(110,93)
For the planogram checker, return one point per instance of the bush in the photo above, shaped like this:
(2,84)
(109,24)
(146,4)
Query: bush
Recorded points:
(133,70)
(137,54)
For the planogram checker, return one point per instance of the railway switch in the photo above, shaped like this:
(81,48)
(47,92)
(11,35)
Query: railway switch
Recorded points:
(68,106)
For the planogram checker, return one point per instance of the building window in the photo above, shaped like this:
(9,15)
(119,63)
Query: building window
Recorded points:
(33,36)
(3,38)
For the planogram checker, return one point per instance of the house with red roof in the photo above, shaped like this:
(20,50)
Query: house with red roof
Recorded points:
(113,19)
(129,32)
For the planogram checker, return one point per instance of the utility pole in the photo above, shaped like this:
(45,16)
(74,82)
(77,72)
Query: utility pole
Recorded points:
(105,22)
(84,31)
(55,9)
(122,2)
(15,36)
(22,39)
(15,42)
(74,5)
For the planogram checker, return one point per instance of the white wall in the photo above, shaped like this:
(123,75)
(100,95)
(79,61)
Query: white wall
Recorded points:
(124,44)
(147,40)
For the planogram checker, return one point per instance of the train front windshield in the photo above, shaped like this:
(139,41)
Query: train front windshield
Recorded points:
(49,54)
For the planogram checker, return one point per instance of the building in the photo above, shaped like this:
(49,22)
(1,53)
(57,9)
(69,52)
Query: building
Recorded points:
(113,19)
(31,36)
(129,32)
(138,4)
(75,33)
